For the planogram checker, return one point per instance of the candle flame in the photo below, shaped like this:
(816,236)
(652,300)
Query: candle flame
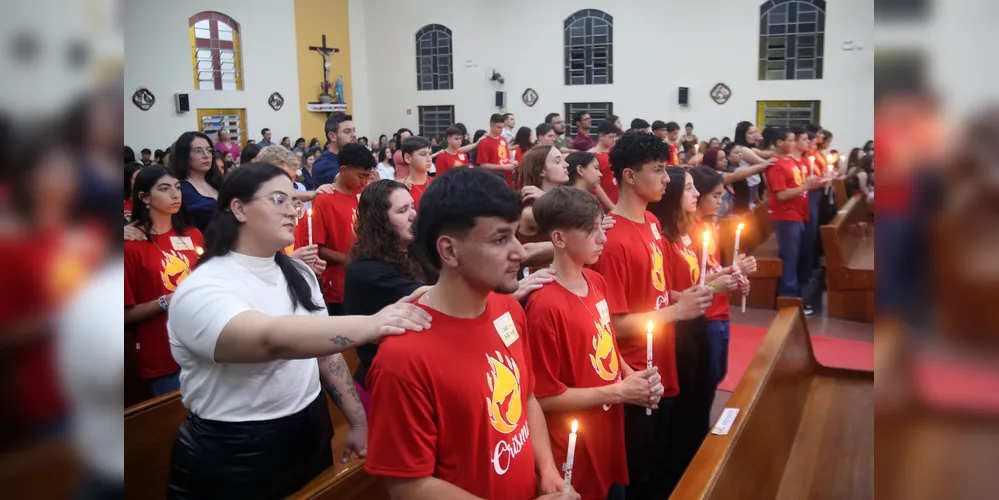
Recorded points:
(575,425)
(740,226)
(200,250)
(649,328)
(829,158)
(310,212)
(707,235)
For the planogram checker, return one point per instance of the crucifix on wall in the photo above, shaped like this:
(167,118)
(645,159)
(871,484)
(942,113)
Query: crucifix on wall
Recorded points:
(325,52)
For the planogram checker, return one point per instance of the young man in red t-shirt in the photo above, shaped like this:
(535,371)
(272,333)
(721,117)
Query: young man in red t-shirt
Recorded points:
(607,135)
(453,407)
(416,152)
(579,373)
(789,211)
(333,217)
(452,156)
(672,138)
(494,152)
(634,267)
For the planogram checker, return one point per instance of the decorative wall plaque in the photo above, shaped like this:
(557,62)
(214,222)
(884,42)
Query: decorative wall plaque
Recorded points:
(530,97)
(720,93)
(143,99)
(276,101)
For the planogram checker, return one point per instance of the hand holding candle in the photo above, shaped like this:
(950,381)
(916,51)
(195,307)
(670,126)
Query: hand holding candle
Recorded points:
(735,258)
(310,226)
(570,455)
(648,355)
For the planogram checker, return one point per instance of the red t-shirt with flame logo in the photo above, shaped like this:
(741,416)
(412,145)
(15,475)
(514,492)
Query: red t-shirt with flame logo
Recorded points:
(719,303)
(786,174)
(633,264)
(607,181)
(151,271)
(451,402)
(674,155)
(573,345)
(333,218)
(446,161)
(495,152)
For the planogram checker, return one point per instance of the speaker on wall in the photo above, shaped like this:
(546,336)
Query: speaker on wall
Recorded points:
(183,103)
(500,99)
(684,91)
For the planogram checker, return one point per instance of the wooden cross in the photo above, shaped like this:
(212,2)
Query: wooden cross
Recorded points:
(325,52)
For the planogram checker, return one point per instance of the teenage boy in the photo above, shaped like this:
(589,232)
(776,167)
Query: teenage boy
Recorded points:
(545,134)
(452,156)
(607,135)
(416,153)
(453,408)
(579,375)
(634,268)
(788,209)
(333,217)
(639,125)
(659,129)
(494,151)
(672,138)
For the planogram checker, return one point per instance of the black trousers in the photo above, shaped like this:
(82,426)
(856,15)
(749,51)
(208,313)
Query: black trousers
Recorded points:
(250,460)
(647,448)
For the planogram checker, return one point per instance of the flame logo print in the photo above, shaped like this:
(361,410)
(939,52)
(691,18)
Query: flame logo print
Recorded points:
(603,346)
(695,270)
(797,177)
(658,277)
(175,269)
(505,406)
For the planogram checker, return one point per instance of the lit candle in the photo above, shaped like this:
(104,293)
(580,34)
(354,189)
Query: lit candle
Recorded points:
(648,355)
(735,258)
(704,256)
(199,250)
(310,226)
(570,455)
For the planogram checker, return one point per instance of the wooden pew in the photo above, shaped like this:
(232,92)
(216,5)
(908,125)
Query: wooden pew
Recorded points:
(839,191)
(150,428)
(803,430)
(848,242)
(757,240)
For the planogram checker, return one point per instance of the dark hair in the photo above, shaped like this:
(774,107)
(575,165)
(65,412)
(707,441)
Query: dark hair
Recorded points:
(669,210)
(158,155)
(226,167)
(726,139)
(129,155)
(639,123)
(454,201)
(813,128)
(613,118)
(249,153)
(264,131)
(333,123)
(710,157)
(575,160)
(397,136)
(800,131)
(687,146)
(384,155)
(550,117)
(478,134)
(827,134)
(635,149)
(523,139)
(780,134)
(285,138)
(578,117)
(658,125)
(868,146)
(770,137)
(507,115)
(130,169)
(728,148)
(543,129)
(453,131)
(300,140)
(691,125)
(314,143)
(856,155)
(607,127)
(413,144)
(144,183)
(223,231)
(672,127)
(354,155)
(376,239)
(532,164)
(180,158)
(251,141)
(740,133)
(566,208)
(382,138)
(146,151)
(363,138)
(706,179)
(496,118)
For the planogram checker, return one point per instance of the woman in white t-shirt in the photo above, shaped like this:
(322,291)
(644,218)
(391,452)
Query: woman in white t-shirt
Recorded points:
(247,327)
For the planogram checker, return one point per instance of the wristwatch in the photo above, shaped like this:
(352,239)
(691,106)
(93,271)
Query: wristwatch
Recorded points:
(162,302)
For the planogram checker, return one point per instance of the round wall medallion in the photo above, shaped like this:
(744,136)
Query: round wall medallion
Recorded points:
(276,101)
(530,97)
(143,99)
(720,93)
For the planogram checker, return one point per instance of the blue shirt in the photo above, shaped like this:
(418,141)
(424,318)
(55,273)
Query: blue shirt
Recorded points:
(325,168)
(199,208)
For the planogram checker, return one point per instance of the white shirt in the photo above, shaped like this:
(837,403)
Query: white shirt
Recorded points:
(202,306)
(93,370)
(385,171)
(508,135)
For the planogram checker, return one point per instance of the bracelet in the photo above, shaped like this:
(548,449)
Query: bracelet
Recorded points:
(162,302)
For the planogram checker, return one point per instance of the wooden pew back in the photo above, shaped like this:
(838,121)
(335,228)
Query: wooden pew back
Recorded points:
(847,232)
(839,191)
(848,242)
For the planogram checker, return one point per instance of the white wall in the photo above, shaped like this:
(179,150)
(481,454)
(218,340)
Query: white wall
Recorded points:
(158,57)
(523,39)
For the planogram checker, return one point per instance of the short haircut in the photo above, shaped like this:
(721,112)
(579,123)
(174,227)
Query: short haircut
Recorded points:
(691,125)
(277,155)
(779,134)
(496,118)
(507,115)
(453,131)
(635,149)
(355,155)
(413,144)
(543,129)
(147,151)
(639,123)
(454,201)
(577,159)
(607,127)
(566,208)
(550,117)
(658,125)
(334,121)
(578,117)
(264,130)
(672,127)
(813,128)
(800,131)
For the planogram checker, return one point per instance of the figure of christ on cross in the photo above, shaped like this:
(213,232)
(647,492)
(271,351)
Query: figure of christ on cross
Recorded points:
(325,52)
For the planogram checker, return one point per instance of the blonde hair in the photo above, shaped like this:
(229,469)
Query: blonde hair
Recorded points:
(533,164)
(279,156)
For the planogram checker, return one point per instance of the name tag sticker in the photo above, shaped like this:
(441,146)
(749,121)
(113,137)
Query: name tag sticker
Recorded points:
(655,231)
(506,329)
(725,421)
(604,312)
(182,243)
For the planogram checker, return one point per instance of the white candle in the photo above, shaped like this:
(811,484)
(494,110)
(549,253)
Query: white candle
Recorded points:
(648,355)
(735,258)
(310,226)
(570,455)
(704,256)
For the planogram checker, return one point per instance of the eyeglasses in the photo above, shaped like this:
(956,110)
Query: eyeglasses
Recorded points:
(200,151)
(283,201)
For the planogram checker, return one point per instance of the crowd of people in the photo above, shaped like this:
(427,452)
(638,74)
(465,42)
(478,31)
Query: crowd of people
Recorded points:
(558,310)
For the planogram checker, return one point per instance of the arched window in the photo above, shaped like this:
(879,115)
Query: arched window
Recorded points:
(792,39)
(589,51)
(215,52)
(434,68)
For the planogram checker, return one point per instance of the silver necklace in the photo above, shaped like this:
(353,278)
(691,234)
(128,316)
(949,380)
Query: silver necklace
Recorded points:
(589,290)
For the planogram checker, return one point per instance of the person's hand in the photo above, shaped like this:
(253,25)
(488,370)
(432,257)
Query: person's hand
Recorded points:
(307,253)
(397,319)
(562,495)
(642,388)
(318,266)
(528,193)
(726,283)
(356,443)
(133,233)
(692,302)
(551,483)
(811,182)
(514,164)
(747,265)
(608,222)
(532,282)
(325,189)
(744,285)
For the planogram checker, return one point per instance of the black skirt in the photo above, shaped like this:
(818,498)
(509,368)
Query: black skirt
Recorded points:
(250,460)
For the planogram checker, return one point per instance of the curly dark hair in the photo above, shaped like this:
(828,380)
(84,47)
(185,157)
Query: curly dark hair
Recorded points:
(635,149)
(376,239)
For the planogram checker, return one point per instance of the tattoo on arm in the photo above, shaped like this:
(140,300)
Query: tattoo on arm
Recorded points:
(340,373)
(340,340)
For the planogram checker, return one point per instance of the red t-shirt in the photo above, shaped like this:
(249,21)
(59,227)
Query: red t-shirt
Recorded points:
(820,165)
(573,345)
(446,161)
(151,271)
(674,155)
(634,265)
(786,174)
(451,402)
(685,270)
(607,182)
(719,303)
(417,190)
(333,218)
(128,209)
(495,152)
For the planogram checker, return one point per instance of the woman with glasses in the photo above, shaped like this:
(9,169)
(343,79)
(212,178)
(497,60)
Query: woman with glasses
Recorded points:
(193,161)
(255,346)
